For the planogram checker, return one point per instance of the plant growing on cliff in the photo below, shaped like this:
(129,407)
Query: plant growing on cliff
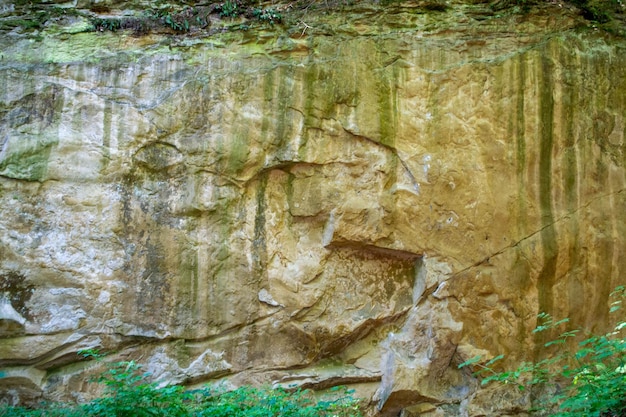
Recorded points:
(230,8)
(263,402)
(129,393)
(587,381)
(267,15)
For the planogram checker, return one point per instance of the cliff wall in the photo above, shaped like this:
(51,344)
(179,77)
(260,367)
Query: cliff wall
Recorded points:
(367,199)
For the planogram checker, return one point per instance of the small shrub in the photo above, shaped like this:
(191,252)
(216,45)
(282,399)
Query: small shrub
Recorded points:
(110,24)
(230,9)
(267,15)
(176,21)
(594,374)
(266,402)
(128,393)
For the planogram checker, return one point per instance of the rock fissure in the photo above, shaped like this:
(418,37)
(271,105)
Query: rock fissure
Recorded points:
(393,150)
(566,216)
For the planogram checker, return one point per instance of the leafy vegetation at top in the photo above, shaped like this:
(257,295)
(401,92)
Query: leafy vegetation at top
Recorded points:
(601,11)
(585,379)
(188,18)
(203,17)
(129,394)
(37,19)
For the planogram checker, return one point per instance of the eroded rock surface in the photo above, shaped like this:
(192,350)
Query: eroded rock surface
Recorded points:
(368,207)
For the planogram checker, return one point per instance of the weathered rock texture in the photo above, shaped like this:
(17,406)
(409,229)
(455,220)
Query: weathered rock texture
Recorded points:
(369,201)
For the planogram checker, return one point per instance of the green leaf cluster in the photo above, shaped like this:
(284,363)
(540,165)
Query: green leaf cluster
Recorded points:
(587,381)
(128,393)
(267,15)
(230,8)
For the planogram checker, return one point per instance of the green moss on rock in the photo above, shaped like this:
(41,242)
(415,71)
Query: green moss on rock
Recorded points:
(26,160)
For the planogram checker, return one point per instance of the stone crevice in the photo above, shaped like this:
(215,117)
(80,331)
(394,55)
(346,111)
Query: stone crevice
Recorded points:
(566,216)
(41,361)
(124,97)
(393,150)
(202,170)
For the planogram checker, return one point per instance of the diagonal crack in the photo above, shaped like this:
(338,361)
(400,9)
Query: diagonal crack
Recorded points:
(393,150)
(565,216)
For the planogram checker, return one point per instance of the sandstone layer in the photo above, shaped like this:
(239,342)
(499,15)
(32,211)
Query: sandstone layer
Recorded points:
(366,201)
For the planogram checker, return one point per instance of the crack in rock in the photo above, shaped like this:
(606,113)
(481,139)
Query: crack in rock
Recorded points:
(565,216)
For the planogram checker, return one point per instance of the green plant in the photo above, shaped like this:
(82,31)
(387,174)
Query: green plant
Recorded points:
(91,354)
(182,26)
(129,393)
(267,15)
(279,402)
(110,24)
(166,17)
(229,9)
(587,381)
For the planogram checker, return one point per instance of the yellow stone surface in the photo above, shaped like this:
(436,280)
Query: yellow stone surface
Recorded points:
(368,206)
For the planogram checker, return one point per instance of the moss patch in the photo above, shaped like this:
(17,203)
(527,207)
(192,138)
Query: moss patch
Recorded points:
(26,160)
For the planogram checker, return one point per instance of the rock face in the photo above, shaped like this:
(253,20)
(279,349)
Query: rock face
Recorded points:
(369,205)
